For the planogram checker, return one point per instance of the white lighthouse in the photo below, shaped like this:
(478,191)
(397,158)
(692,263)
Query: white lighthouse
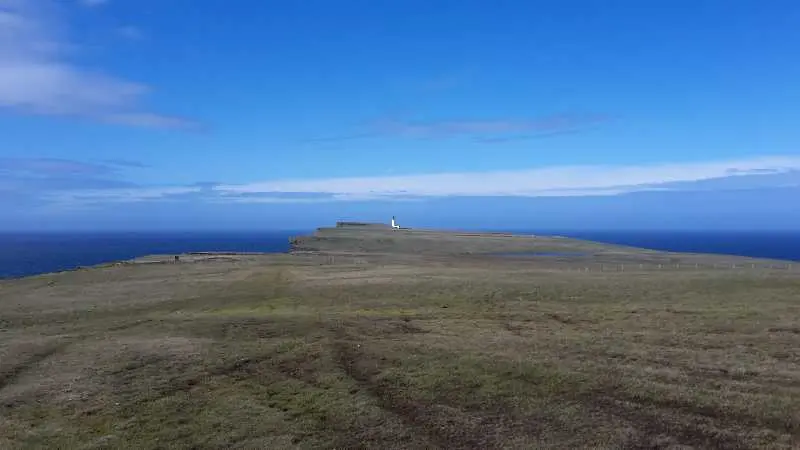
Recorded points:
(394,223)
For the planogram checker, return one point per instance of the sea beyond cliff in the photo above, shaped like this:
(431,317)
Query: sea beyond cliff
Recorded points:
(24,254)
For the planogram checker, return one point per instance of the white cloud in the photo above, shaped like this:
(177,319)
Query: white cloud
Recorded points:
(557,181)
(36,76)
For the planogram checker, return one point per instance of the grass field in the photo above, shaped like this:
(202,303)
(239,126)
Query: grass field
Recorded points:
(401,350)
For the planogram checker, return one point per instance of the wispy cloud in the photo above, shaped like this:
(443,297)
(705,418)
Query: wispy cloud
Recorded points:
(37,78)
(121,195)
(525,137)
(52,166)
(125,163)
(45,177)
(344,137)
(150,120)
(482,131)
(537,182)
(92,3)
(456,128)
(68,184)
(130,32)
(272,197)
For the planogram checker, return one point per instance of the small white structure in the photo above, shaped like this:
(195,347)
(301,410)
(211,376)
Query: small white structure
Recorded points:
(394,223)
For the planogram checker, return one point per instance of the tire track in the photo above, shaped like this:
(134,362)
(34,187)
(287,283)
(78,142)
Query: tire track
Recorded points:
(437,429)
(654,425)
(12,374)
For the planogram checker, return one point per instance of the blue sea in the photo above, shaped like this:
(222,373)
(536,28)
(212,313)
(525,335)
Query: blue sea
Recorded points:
(35,253)
(784,245)
(30,254)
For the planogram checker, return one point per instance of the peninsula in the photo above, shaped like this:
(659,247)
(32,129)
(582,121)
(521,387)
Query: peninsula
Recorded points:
(373,336)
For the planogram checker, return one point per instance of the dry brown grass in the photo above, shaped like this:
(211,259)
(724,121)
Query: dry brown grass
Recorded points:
(299,352)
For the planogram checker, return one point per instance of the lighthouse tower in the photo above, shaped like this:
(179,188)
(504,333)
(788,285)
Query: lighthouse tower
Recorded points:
(394,223)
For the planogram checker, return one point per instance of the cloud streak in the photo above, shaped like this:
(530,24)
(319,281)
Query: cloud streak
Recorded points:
(122,195)
(525,137)
(92,3)
(52,166)
(555,181)
(66,184)
(46,178)
(481,131)
(36,77)
(130,32)
(457,128)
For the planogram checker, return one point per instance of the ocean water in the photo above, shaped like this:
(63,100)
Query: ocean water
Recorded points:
(30,254)
(783,245)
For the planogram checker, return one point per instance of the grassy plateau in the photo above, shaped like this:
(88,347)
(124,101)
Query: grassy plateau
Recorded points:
(372,338)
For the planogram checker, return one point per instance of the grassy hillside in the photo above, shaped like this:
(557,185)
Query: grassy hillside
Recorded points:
(358,239)
(354,345)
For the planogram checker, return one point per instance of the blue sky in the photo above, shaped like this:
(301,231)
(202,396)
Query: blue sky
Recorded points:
(507,114)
